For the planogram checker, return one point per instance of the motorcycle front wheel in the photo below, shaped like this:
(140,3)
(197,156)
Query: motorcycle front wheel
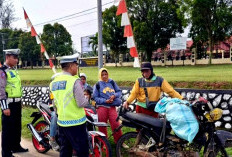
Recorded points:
(126,144)
(41,128)
(101,147)
(217,152)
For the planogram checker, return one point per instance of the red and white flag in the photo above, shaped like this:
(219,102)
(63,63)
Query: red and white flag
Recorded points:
(128,33)
(34,34)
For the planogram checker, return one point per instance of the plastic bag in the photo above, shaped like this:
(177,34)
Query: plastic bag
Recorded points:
(180,116)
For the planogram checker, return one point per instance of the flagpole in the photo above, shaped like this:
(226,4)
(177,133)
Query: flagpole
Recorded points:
(100,47)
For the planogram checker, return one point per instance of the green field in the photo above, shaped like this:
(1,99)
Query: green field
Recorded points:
(125,76)
(176,73)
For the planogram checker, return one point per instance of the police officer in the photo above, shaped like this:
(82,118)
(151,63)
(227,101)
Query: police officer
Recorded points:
(69,100)
(10,101)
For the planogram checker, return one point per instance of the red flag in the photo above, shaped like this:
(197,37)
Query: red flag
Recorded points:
(133,52)
(121,7)
(33,32)
(128,31)
(42,49)
(50,63)
(25,14)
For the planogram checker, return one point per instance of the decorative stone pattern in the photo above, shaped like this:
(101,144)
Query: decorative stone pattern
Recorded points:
(32,94)
(218,98)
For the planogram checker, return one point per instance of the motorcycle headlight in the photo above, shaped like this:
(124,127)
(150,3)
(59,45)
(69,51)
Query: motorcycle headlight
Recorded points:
(214,114)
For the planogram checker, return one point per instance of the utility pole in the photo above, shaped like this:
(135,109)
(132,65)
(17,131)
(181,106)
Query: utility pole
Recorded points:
(100,47)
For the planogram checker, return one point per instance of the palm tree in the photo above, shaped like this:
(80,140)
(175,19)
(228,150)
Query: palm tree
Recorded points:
(94,43)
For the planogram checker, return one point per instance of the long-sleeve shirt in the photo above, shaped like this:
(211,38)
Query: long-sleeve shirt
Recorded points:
(78,92)
(3,82)
(154,92)
(105,91)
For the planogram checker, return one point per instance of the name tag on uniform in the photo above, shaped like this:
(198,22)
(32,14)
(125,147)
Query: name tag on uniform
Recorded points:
(60,85)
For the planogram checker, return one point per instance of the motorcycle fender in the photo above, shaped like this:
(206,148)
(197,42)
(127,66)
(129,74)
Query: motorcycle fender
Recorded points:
(36,116)
(93,134)
(225,138)
(96,133)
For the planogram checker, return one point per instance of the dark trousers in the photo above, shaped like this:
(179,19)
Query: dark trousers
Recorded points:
(11,129)
(74,137)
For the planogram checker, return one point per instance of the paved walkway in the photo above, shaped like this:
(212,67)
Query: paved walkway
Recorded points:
(32,152)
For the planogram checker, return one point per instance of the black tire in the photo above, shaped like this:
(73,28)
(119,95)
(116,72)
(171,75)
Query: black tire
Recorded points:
(128,139)
(217,152)
(39,128)
(102,147)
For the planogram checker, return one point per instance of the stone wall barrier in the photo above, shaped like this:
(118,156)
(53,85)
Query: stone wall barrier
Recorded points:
(218,98)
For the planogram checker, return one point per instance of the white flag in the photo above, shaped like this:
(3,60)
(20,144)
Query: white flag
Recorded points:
(54,69)
(37,39)
(125,19)
(46,55)
(136,62)
(29,25)
(130,42)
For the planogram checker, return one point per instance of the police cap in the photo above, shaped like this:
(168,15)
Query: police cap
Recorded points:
(15,52)
(68,59)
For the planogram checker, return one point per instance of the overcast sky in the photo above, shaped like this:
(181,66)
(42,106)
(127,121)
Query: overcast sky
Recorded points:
(44,11)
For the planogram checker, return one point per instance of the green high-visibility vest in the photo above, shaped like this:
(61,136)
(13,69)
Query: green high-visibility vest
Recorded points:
(69,114)
(13,86)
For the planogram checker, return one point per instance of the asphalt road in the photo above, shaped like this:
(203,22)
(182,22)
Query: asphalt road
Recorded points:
(32,152)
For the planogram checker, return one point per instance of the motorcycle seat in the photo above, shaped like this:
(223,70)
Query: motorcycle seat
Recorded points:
(154,122)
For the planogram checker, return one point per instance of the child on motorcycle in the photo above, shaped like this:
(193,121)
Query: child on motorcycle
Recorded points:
(88,95)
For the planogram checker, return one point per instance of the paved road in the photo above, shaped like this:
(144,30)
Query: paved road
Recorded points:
(32,152)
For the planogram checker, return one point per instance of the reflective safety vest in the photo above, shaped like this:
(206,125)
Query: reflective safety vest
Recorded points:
(13,86)
(69,113)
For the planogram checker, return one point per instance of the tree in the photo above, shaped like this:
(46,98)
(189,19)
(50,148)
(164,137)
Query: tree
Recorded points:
(112,32)
(13,39)
(94,43)
(57,40)
(4,36)
(30,50)
(210,20)
(154,23)
(6,14)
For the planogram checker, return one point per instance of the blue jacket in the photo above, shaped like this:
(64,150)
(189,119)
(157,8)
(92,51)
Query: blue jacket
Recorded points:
(107,89)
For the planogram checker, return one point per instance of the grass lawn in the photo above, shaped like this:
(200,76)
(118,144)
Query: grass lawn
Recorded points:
(212,73)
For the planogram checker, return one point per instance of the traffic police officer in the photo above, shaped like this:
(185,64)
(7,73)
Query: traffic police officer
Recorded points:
(69,100)
(10,101)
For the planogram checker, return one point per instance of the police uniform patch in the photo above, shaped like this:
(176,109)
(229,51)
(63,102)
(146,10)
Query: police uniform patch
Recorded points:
(60,85)
(12,74)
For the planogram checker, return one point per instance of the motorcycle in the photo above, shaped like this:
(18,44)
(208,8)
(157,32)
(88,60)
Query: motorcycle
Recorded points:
(155,138)
(99,146)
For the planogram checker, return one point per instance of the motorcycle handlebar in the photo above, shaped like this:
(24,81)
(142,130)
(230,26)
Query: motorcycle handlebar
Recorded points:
(122,111)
